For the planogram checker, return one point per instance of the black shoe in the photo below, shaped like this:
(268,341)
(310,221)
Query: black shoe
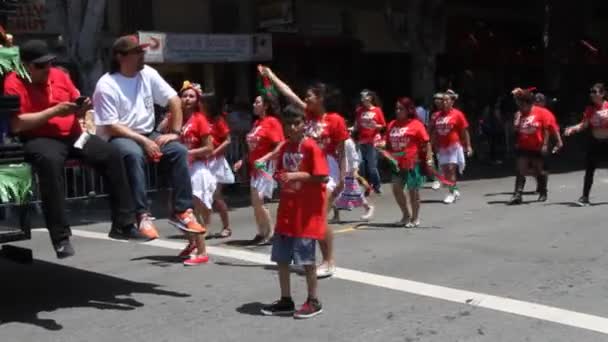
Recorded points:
(64,249)
(310,309)
(516,200)
(282,307)
(542,197)
(128,232)
(378,191)
(258,239)
(583,202)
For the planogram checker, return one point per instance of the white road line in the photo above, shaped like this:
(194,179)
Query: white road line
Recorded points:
(475,299)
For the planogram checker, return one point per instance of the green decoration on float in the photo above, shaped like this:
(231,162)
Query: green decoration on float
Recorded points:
(265,87)
(15,183)
(10,61)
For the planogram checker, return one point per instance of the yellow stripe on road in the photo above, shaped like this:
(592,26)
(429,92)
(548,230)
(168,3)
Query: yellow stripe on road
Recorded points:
(345,230)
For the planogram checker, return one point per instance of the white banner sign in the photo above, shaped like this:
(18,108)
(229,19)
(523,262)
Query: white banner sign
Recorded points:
(206,48)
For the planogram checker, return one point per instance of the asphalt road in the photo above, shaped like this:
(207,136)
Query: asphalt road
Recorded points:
(476,271)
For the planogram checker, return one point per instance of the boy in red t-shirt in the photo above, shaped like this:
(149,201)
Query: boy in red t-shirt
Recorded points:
(301,218)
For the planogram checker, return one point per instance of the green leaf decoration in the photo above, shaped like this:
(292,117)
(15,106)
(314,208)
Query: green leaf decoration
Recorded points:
(265,87)
(10,61)
(15,183)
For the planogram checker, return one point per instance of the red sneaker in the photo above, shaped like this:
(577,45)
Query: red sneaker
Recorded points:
(184,254)
(196,260)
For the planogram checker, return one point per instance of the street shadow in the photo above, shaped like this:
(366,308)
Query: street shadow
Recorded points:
(26,291)
(161,260)
(251,309)
(510,193)
(240,265)
(575,204)
(431,201)
(506,202)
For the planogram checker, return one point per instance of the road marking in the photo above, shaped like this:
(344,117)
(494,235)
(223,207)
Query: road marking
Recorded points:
(521,308)
(345,230)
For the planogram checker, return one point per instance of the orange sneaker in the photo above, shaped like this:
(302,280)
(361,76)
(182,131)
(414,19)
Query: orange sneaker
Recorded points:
(146,227)
(187,222)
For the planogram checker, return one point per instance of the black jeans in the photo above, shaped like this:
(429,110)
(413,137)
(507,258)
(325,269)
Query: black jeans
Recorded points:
(48,155)
(597,150)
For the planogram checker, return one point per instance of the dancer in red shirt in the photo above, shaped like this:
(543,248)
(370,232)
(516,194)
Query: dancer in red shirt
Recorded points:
(451,141)
(196,136)
(408,142)
(301,216)
(217,163)
(263,141)
(532,124)
(369,121)
(596,119)
(328,128)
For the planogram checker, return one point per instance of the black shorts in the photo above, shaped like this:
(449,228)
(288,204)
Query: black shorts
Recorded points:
(529,154)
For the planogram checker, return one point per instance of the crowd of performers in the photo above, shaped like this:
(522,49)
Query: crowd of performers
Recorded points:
(314,156)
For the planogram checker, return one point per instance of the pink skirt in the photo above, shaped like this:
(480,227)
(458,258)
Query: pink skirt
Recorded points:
(352,196)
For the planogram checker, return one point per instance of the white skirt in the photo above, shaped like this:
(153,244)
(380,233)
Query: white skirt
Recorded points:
(203,182)
(452,155)
(263,182)
(220,168)
(334,173)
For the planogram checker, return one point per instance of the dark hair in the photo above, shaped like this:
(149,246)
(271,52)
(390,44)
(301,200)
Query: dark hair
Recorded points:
(114,64)
(601,88)
(292,113)
(332,97)
(375,98)
(524,96)
(408,104)
(272,103)
(210,103)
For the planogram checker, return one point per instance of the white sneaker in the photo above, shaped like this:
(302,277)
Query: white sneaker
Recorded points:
(325,271)
(413,224)
(436,185)
(369,213)
(449,199)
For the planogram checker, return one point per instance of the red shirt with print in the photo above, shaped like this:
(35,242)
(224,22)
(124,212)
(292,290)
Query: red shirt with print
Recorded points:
(530,130)
(219,130)
(195,131)
(301,211)
(328,131)
(35,98)
(367,120)
(552,122)
(597,116)
(406,137)
(448,126)
(266,133)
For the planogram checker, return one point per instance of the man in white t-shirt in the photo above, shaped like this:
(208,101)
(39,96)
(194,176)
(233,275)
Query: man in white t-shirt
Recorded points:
(124,102)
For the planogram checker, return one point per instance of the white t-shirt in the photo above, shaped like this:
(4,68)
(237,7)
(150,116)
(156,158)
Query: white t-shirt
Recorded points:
(352,156)
(130,100)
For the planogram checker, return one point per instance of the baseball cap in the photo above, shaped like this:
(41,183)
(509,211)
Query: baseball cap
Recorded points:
(127,43)
(35,51)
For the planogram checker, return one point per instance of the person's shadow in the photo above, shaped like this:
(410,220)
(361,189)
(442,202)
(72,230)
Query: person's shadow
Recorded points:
(25,291)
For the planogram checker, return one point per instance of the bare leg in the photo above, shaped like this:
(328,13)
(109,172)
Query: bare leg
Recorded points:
(311,280)
(262,214)
(401,200)
(201,211)
(327,244)
(284,280)
(415,204)
(221,207)
(201,248)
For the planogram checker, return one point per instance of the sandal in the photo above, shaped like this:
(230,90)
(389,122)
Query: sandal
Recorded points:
(225,233)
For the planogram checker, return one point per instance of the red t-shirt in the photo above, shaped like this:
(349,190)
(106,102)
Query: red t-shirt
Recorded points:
(195,131)
(530,129)
(35,98)
(366,124)
(552,122)
(328,131)
(597,116)
(406,136)
(263,138)
(302,211)
(219,131)
(447,127)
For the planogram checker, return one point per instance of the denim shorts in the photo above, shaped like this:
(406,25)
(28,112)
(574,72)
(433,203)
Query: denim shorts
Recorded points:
(300,251)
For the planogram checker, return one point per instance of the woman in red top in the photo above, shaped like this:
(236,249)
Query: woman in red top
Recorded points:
(217,163)
(451,140)
(264,141)
(409,143)
(595,118)
(369,122)
(532,138)
(196,136)
(329,130)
